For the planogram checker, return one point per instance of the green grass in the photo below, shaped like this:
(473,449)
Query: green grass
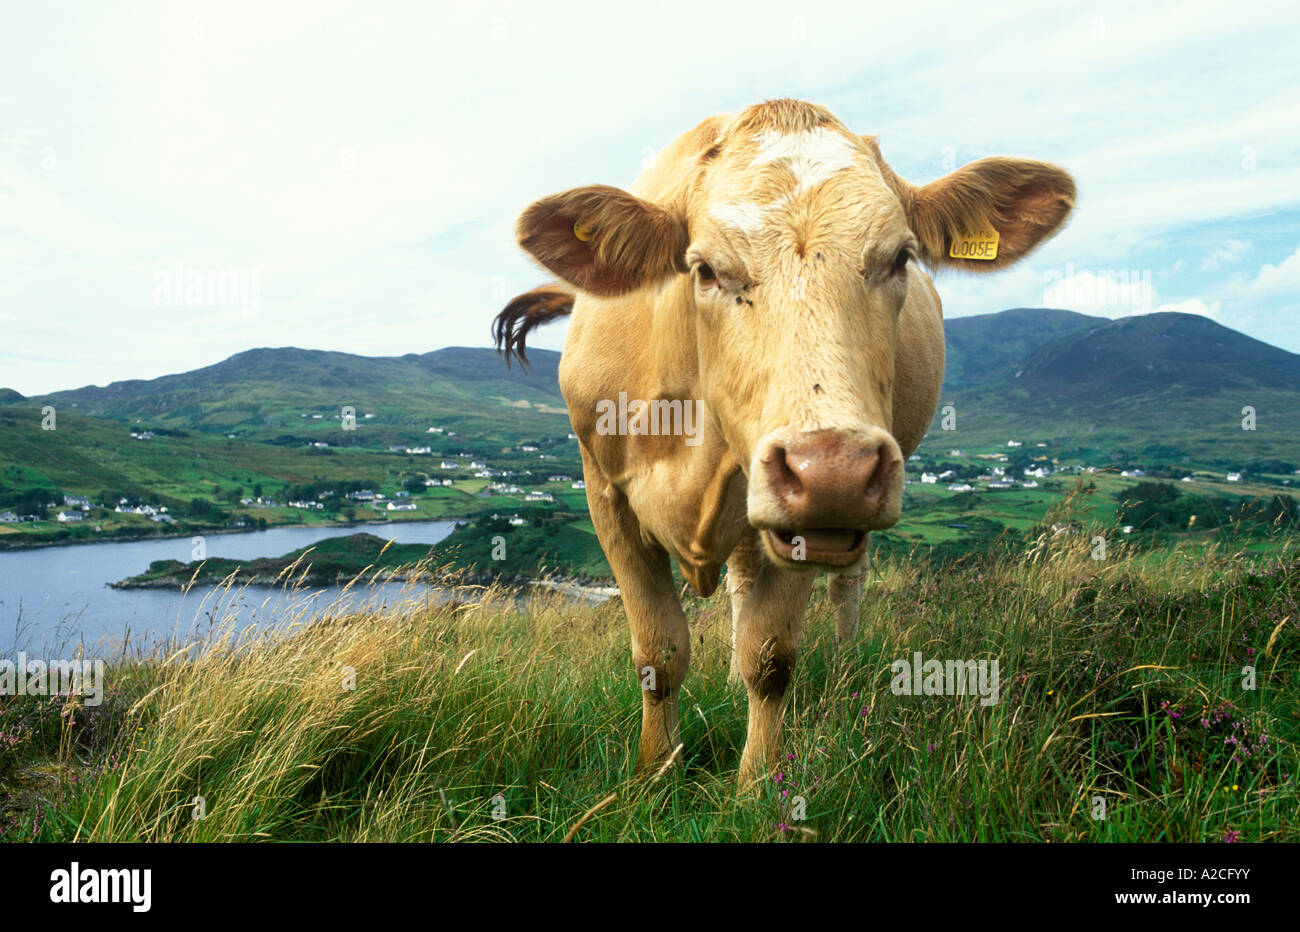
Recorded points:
(1120,679)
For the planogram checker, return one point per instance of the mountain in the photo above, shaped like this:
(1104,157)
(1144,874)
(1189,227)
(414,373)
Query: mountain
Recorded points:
(1167,384)
(989,346)
(1156,382)
(1158,352)
(264,392)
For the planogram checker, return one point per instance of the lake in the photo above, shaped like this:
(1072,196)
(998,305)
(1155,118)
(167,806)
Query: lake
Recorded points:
(53,599)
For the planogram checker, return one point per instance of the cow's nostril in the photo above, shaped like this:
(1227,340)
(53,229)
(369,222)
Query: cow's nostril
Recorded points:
(781,474)
(879,468)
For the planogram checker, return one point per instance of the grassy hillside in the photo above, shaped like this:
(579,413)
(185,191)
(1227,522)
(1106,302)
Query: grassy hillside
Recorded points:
(263,393)
(1121,681)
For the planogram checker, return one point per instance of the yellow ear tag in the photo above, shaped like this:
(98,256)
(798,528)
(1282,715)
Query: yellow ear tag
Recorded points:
(982,244)
(583,233)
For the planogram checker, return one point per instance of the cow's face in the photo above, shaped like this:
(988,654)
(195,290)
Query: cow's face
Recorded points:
(796,246)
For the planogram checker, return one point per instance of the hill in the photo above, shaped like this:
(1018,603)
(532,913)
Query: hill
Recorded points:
(987,347)
(264,392)
(1160,388)
(1166,384)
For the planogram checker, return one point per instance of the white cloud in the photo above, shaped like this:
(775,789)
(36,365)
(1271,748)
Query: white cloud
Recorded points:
(1280,279)
(1194,306)
(1231,252)
(369,165)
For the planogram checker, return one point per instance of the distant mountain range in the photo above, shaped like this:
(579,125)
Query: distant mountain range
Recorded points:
(1164,383)
(263,393)
(1167,382)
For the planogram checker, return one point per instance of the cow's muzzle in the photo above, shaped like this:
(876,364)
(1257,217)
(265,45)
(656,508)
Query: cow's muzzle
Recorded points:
(816,494)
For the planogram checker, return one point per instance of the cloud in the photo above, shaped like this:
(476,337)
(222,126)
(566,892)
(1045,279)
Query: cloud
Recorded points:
(1280,279)
(368,164)
(1232,251)
(1194,306)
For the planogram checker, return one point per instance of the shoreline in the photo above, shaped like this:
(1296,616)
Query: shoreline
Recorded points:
(578,587)
(136,538)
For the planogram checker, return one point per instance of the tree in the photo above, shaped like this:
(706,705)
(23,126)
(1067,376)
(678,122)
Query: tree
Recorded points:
(414,485)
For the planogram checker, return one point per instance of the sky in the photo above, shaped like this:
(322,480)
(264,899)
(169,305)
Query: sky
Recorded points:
(347,176)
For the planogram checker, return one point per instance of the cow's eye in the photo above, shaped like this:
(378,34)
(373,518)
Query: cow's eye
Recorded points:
(900,262)
(706,275)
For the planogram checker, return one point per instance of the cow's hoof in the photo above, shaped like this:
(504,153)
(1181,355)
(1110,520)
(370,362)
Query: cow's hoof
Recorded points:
(654,766)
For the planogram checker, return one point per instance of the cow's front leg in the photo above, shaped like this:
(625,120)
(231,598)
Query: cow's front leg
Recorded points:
(845,591)
(661,652)
(770,627)
(742,566)
(661,642)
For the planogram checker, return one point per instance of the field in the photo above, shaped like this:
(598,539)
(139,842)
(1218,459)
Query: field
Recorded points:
(1140,699)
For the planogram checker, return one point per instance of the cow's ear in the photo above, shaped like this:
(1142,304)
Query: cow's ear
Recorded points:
(603,240)
(1024,202)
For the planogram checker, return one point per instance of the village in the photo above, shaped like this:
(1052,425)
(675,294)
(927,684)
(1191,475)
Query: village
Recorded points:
(447,478)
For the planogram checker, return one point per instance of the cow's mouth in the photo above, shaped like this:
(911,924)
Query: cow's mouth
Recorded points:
(827,546)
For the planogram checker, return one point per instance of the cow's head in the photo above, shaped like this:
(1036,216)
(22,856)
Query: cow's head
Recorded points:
(796,245)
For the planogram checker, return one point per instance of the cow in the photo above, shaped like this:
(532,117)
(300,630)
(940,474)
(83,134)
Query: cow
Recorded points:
(761,277)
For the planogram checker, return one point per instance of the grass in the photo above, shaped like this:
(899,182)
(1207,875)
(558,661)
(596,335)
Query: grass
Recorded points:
(1121,680)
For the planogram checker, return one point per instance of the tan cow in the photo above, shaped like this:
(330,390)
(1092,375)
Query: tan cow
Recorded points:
(754,353)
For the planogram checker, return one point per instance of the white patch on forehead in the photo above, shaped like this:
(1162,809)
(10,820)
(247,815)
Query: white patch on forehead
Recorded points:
(739,215)
(813,155)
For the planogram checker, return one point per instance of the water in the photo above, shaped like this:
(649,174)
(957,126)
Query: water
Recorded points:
(54,599)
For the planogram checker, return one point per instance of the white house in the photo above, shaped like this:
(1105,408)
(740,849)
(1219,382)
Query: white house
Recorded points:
(401,506)
(929,478)
(580,484)
(960,487)
(1234,477)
